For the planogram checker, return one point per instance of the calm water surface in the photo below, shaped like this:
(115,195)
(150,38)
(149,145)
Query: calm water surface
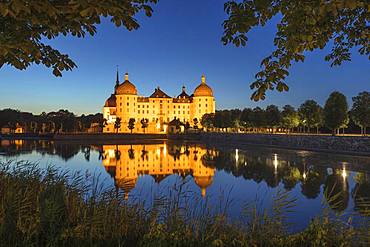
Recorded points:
(242,175)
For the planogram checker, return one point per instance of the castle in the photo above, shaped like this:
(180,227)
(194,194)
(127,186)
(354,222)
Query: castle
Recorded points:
(154,114)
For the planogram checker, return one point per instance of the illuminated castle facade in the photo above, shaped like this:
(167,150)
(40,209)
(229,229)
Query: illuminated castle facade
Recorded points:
(158,109)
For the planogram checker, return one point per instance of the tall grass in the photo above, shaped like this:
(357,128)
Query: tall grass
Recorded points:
(49,207)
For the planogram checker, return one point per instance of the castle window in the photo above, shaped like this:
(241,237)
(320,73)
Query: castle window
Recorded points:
(179,112)
(160,101)
(174,112)
(206,105)
(179,107)
(206,99)
(188,112)
(147,106)
(128,104)
(183,112)
(120,104)
(199,105)
(200,111)
(147,111)
(128,98)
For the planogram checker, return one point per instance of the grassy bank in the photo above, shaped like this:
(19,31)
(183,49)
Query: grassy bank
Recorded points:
(54,208)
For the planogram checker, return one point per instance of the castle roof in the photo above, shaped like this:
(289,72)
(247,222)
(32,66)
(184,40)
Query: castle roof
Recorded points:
(203,89)
(158,93)
(126,87)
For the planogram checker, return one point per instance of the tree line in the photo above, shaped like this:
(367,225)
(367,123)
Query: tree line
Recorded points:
(309,117)
(52,122)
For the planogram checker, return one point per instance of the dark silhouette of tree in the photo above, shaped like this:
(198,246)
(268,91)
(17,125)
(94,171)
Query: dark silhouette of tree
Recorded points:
(144,123)
(117,124)
(289,118)
(27,24)
(304,26)
(273,116)
(131,124)
(187,126)
(311,115)
(195,122)
(360,112)
(336,111)
(207,120)
(258,118)
(245,118)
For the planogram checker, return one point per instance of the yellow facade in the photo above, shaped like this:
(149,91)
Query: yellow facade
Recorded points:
(159,109)
(128,162)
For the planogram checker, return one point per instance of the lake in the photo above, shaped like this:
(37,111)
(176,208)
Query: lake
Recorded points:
(236,176)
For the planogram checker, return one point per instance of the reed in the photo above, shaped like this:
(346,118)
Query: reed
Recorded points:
(51,207)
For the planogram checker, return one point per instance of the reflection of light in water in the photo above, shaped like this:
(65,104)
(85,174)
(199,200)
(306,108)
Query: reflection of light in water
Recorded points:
(275,162)
(236,156)
(111,153)
(344,173)
(304,175)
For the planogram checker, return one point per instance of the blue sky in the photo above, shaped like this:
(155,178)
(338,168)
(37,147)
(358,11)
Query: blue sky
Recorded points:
(174,47)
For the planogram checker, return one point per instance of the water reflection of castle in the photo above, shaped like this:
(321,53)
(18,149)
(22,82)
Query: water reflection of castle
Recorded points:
(127,162)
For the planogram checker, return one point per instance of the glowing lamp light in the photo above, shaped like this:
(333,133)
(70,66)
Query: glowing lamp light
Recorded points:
(236,155)
(304,175)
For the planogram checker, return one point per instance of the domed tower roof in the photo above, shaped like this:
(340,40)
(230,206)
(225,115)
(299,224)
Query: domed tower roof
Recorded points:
(126,87)
(111,101)
(203,182)
(203,89)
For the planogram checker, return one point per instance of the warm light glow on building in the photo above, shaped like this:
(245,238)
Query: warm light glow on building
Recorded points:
(159,108)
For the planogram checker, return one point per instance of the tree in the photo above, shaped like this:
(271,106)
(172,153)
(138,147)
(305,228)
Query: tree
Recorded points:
(273,116)
(290,117)
(131,124)
(335,111)
(195,122)
(187,126)
(258,119)
(303,26)
(310,113)
(117,124)
(144,123)
(245,117)
(360,112)
(25,25)
(208,120)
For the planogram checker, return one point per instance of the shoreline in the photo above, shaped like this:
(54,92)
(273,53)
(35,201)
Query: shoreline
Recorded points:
(347,145)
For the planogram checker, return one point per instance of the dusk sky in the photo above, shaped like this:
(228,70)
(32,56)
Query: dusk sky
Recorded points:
(174,47)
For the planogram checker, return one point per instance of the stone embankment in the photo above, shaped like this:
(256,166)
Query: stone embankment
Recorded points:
(337,144)
(110,138)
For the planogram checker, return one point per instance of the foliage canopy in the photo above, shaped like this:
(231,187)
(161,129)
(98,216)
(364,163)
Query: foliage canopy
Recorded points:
(304,26)
(24,25)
